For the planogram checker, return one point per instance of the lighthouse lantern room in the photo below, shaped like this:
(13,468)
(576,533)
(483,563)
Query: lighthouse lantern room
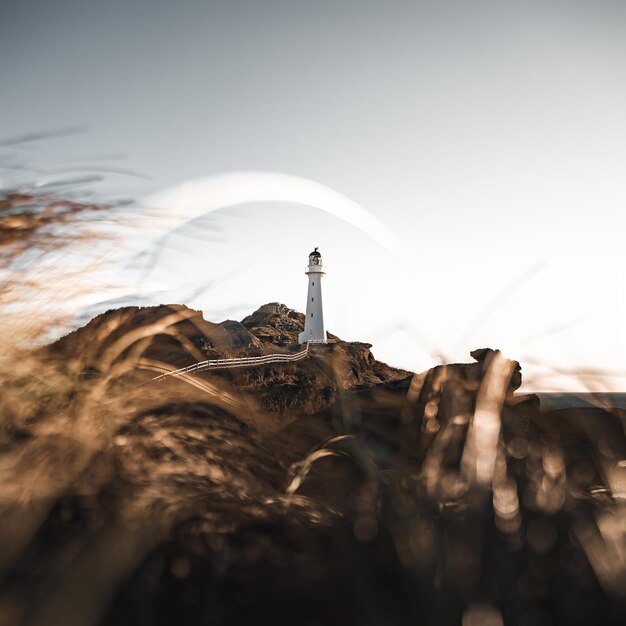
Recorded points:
(314,320)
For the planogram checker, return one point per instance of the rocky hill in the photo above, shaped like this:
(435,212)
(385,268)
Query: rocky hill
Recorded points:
(177,336)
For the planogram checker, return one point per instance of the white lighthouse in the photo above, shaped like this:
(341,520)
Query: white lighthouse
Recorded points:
(314,320)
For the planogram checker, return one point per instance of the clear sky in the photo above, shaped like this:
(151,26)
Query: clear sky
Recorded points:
(488,136)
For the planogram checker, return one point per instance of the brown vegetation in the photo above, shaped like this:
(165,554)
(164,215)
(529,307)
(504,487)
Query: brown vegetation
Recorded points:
(334,490)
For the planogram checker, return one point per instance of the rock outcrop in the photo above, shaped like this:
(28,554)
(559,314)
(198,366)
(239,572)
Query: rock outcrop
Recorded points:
(275,323)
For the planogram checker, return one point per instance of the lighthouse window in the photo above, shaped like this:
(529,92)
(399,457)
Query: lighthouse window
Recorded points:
(311,314)
(312,299)
(312,284)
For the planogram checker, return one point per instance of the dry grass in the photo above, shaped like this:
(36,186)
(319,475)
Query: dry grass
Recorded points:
(486,509)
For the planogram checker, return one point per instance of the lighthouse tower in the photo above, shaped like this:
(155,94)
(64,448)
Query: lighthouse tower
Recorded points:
(314,320)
